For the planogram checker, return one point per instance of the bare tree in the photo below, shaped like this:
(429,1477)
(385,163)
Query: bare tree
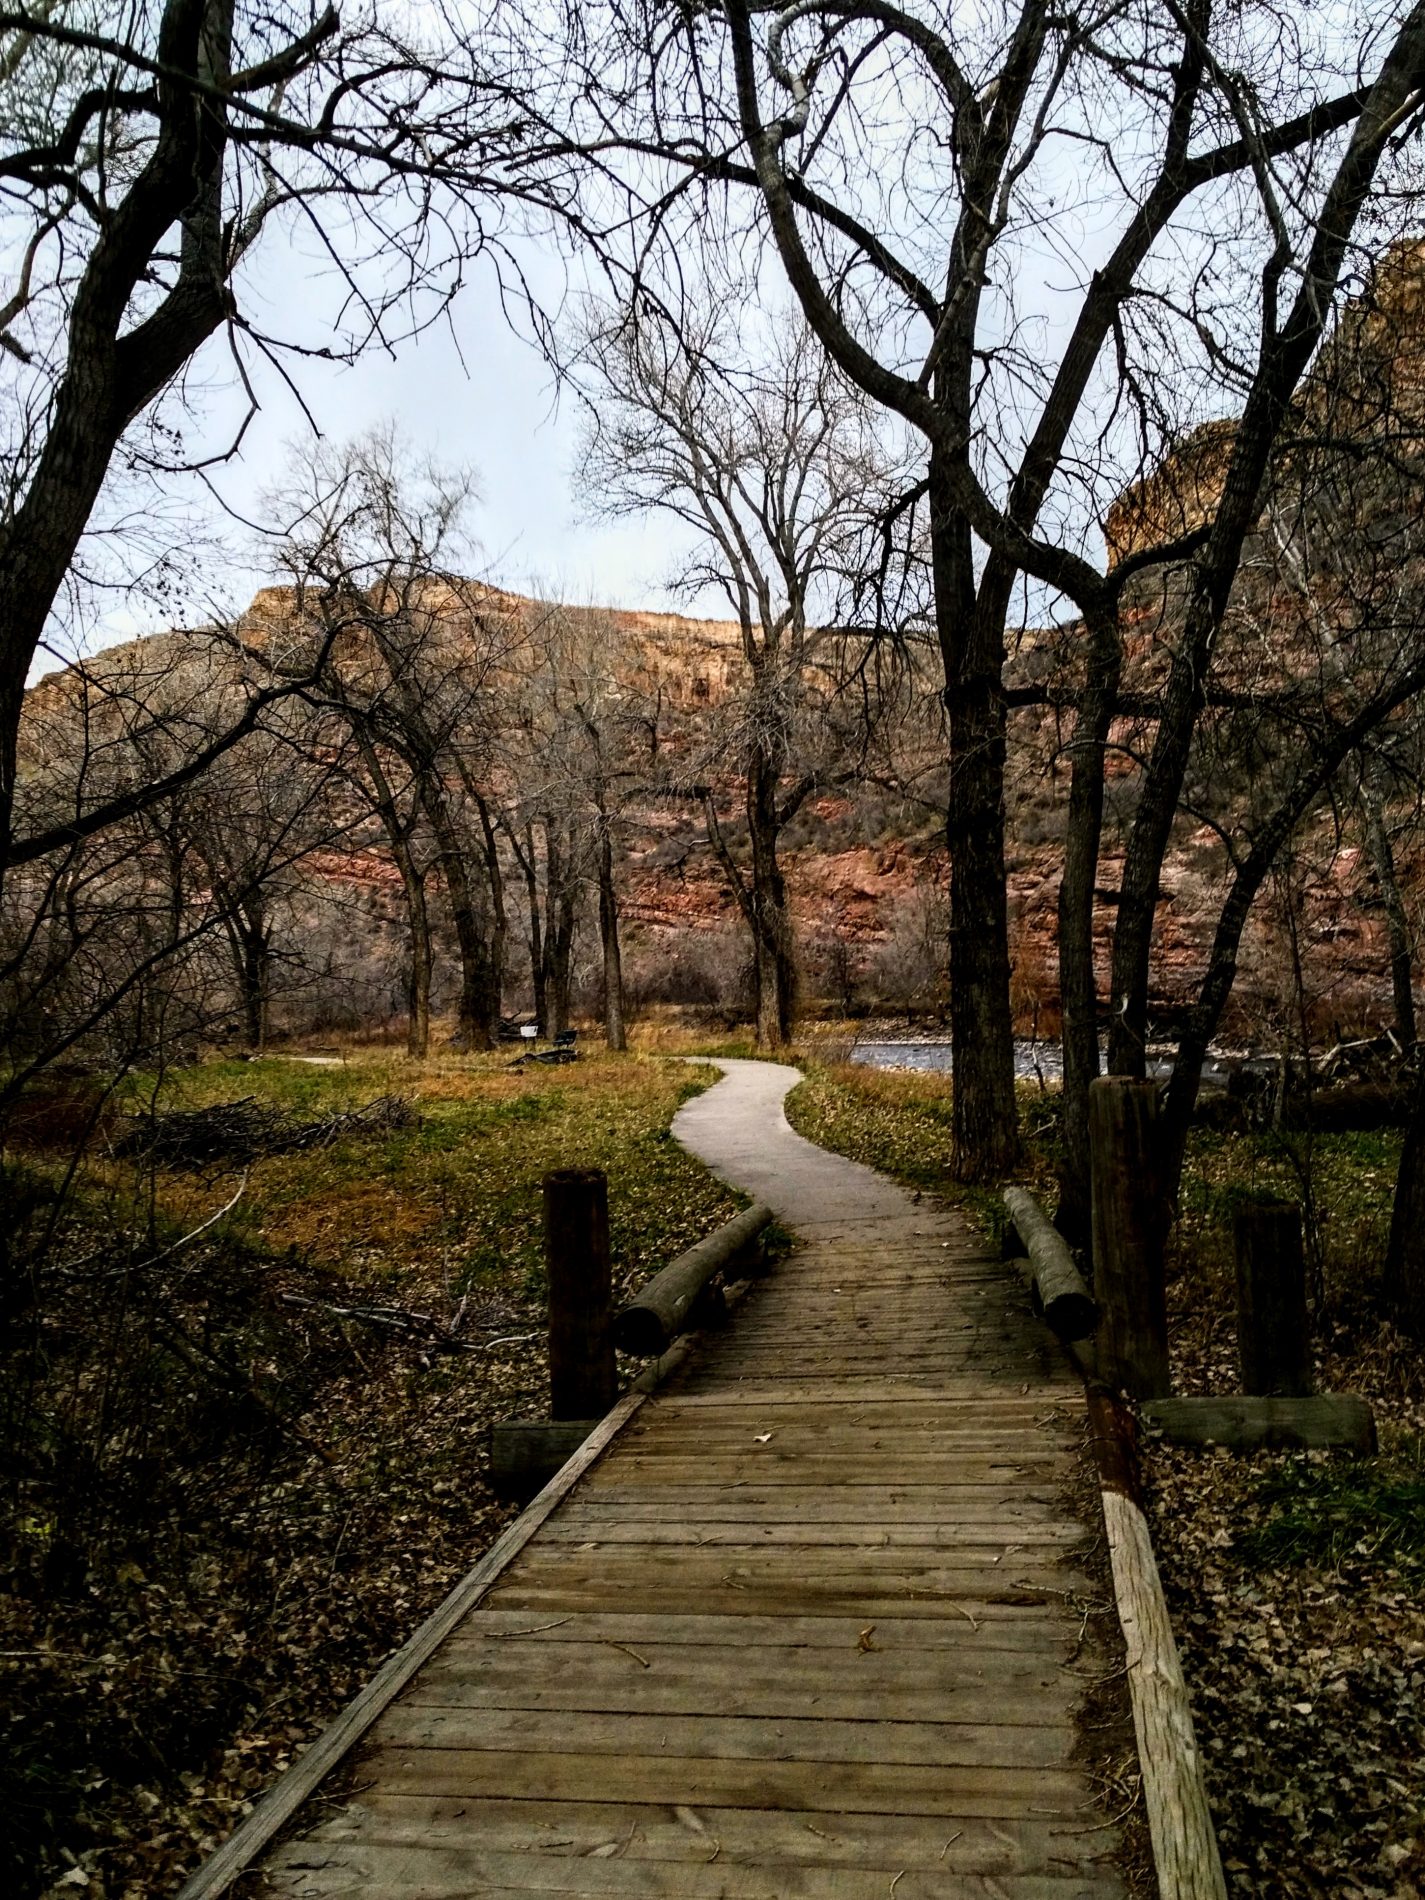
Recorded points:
(413,656)
(779,473)
(576,750)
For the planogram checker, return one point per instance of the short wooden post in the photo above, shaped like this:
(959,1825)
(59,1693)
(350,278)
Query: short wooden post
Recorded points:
(1128,1235)
(1271,1300)
(583,1382)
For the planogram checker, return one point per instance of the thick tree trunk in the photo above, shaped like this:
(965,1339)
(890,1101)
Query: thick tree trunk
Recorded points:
(250,937)
(256,982)
(109,377)
(558,943)
(499,913)
(985,1114)
(614,1033)
(478,1006)
(1403,1286)
(413,885)
(529,865)
(768,914)
(1078,986)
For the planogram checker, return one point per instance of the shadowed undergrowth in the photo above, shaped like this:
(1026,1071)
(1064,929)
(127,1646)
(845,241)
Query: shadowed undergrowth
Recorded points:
(242,1463)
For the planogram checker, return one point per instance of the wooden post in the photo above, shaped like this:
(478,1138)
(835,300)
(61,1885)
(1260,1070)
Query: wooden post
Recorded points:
(1271,1300)
(1128,1235)
(583,1382)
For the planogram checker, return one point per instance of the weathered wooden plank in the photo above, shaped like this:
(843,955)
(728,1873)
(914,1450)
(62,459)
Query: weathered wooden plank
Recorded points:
(811,1504)
(667,1778)
(843,1432)
(1184,1844)
(882,1572)
(870,1602)
(1002,1625)
(328,1869)
(1331,1421)
(592,1668)
(408,1725)
(732,1397)
(743,1836)
(976,1542)
(888,1403)
(784,1450)
(526,1453)
(1034,1697)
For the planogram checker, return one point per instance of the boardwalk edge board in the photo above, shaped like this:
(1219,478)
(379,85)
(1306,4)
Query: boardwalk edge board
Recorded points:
(288,1794)
(1185,1852)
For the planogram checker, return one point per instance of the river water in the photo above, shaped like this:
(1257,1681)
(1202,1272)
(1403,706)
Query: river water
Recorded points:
(1033,1061)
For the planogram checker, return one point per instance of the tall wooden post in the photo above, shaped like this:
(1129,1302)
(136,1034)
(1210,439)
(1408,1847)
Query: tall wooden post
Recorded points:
(1128,1235)
(582,1376)
(1271,1300)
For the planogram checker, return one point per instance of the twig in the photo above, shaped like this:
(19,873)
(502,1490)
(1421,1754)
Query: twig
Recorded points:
(535,1629)
(628,1652)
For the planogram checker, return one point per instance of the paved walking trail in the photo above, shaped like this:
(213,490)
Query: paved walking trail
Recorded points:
(810,1629)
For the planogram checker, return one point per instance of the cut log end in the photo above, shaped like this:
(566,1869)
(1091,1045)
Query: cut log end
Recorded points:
(640,1332)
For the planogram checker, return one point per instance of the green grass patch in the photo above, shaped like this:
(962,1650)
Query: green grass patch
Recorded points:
(900,1121)
(1327,1513)
(455,1200)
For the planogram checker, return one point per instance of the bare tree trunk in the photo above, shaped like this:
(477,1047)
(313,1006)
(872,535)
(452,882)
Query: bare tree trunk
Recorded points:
(559,919)
(1382,856)
(1078,985)
(499,914)
(1403,1286)
(478,1006)
(256,990)
(767,911)
(413,885)
(614,1032)
(529,866)
(422,959)
(986,1116)
(250,935)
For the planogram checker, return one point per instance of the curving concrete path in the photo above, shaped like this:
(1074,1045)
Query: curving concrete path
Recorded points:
(739,1129)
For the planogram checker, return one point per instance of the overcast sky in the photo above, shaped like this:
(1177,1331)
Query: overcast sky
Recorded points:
(472,392)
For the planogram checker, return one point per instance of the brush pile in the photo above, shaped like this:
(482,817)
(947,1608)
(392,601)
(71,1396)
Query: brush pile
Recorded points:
(239,1133)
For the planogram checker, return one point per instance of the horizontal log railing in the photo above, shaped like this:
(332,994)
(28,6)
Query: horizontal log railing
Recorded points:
(653,1319)
(1067,1303)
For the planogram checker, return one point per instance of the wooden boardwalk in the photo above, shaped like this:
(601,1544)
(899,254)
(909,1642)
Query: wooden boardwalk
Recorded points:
(810,1629)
